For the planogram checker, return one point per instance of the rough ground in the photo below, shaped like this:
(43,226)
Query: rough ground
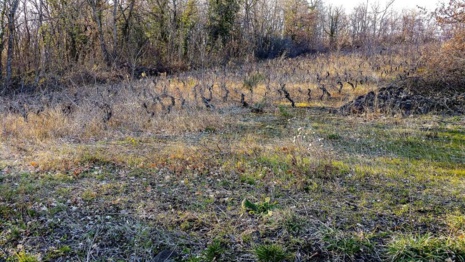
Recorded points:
(178,166)
(285,185)
(401,99)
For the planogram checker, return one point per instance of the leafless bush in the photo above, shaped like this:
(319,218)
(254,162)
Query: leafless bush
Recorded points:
(446,66)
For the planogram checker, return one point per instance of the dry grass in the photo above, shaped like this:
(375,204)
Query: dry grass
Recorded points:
(78,184)
(173,105)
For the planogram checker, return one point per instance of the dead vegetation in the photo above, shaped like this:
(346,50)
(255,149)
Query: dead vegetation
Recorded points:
(241,163)
(405,101)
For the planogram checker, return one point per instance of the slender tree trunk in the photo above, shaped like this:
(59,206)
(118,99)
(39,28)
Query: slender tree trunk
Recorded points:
(127,23)
(40,52)
(94,4)
(115,29)
(11,28)
(2,35)
(28,56)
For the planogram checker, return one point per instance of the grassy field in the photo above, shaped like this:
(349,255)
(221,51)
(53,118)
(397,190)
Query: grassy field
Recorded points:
(226,184)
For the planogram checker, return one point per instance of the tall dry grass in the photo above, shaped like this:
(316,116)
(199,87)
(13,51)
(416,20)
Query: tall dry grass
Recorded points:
(175,105)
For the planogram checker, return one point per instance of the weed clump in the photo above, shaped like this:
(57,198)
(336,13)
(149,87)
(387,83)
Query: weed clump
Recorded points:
(258,208)
(271,253)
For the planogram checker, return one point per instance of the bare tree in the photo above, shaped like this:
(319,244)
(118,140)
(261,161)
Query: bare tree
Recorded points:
(335,15)
(378,16)
(359,25)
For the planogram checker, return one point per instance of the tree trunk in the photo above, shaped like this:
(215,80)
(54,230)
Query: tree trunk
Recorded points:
(2,35)
(94,4)
(11,28)
(115,28)
(40,52)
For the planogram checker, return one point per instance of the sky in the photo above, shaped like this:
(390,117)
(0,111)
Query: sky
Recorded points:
(398,4)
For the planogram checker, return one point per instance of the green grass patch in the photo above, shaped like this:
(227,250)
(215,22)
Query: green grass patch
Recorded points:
(271,253)
(347,244)
(426,248)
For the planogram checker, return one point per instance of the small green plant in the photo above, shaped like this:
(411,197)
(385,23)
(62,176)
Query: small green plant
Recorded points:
(24,257)
(259,208)
(6,212)
(247,179)
(270,253)
(334,136)
(294,224)
(252,81)
(210,129)
(214,251)
(194,259)
(284,112)
(15,232)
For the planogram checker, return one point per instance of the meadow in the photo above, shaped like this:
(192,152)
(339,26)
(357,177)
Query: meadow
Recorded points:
(244,162)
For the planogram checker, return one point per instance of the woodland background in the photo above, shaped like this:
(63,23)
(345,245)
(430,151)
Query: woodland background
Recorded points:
(47,44)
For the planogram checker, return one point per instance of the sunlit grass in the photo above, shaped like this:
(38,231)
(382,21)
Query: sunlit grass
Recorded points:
(319,186)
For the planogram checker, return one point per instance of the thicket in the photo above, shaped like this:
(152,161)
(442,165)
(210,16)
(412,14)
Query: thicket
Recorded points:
(446,67)
(46,44)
